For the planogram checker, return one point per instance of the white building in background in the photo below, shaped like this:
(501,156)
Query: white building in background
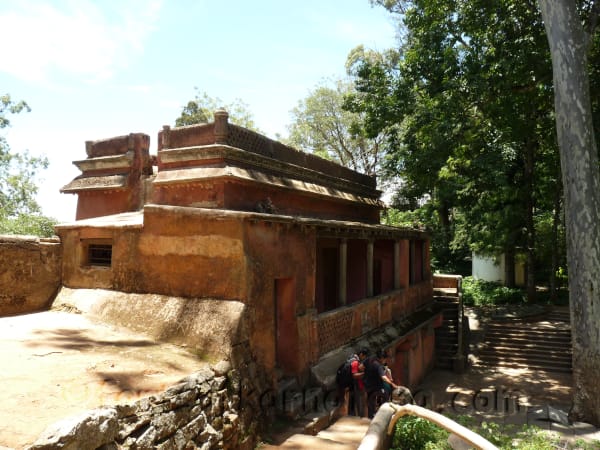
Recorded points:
(489,268)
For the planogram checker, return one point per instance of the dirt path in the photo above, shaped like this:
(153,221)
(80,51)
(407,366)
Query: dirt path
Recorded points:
(56,364)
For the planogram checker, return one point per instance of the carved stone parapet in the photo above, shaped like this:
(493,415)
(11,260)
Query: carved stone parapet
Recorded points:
(106,182)
(221,126)
(183,156)
(118,145)
(165,136)
(122,161)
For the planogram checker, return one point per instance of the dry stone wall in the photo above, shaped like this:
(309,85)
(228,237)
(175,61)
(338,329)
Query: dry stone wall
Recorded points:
(30,273)
(218,408)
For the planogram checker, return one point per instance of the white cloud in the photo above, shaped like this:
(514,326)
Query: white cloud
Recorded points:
(75,38)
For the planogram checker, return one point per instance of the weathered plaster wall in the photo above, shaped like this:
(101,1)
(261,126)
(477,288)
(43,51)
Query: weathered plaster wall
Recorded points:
(246,196)
(185,252)
(102,203)
(281,252)
(30,273)
(178,252)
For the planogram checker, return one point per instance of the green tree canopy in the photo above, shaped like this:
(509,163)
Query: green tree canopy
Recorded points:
(466,103)
(19,211)
(201,110)
(321,126)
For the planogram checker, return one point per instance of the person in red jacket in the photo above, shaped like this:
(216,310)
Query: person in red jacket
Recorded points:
(360,395)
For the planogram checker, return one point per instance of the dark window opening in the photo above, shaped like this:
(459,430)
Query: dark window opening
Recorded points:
(99,255)
(377,275)
(327,279)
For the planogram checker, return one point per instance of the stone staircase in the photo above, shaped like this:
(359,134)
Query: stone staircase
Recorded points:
(294,402)
(446,336)
(309,418)
(537,343)
(344,434)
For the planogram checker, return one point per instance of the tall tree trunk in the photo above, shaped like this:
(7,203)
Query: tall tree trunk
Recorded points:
(444,215)
(581,181)
(529,223)
(555,245)
(509,266)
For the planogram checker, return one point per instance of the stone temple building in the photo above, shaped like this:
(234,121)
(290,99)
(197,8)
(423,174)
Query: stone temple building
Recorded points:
(282,248)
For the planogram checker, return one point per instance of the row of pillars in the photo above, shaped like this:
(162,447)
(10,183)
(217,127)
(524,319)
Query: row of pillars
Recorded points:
(344,266)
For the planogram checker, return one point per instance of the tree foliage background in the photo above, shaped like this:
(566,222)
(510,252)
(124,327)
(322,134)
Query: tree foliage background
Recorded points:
(19,211)
(466,106)
(201,110)
(320,125)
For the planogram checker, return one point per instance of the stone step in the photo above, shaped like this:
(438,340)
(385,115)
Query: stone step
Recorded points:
(296,403)
(346,433)
(445,295)
(305,441)
(523,356)
(518,365)
(550,349)
(450,320)
(543,343)
(444,344)
(531,332)
(449,334)
(540,325)
(523,341)
(561,317)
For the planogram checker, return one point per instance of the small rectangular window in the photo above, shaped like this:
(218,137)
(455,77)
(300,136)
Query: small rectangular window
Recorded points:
(99,255)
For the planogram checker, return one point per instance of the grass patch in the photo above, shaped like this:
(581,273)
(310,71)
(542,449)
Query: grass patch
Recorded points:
(488,293)
(415,433)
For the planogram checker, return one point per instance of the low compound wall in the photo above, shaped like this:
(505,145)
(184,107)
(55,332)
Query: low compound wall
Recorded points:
(30,273)
(218,408)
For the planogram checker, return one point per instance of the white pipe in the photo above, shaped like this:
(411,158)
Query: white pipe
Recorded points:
(465,434)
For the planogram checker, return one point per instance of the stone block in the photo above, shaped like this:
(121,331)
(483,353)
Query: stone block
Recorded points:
(222,368)
(91,429)
(219,383)
(185,398)
(147,439)
(192,429)
(130,425)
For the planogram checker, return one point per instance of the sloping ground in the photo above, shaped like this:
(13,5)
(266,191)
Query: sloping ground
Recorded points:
(56,364)
(540,343)
(345,434)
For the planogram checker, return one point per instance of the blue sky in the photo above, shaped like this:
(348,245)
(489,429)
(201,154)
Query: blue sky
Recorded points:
(96,69)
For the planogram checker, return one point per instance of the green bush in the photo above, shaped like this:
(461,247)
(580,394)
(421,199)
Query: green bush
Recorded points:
(487,293)
(28,224)
(414,433)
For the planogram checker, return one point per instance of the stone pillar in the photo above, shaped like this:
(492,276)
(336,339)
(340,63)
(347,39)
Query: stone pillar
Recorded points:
(411,261)
(370,268)
(165,136)
(343,270)
(426,259)
(397,265)
(88,148)
(221,126)
(404,263)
